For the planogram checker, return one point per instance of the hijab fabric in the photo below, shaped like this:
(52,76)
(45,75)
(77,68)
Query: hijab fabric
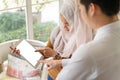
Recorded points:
(66,42)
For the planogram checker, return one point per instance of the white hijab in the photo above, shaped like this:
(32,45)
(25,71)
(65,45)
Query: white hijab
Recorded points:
(66,42)
(84,33)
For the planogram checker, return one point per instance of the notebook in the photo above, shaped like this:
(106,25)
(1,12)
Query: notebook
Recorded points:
(28,52)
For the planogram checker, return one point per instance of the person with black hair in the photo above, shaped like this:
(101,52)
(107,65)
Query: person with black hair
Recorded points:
(98,59)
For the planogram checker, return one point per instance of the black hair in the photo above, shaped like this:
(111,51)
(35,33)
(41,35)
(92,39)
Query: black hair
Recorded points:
(108,7)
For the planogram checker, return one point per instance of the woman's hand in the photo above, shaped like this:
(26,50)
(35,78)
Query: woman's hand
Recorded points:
(51,64)
(47,52)
(15,51)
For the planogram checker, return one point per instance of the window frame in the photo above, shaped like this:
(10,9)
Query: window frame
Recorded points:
(28,17)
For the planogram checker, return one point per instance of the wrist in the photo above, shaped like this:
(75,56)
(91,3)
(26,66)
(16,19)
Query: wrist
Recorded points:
(59,62)
(57,56)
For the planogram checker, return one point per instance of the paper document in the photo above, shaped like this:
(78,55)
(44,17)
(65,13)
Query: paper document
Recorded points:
(28,52)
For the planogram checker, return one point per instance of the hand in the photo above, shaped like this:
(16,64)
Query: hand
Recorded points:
(47,52)
(51,64)
(33,73)
(14,51)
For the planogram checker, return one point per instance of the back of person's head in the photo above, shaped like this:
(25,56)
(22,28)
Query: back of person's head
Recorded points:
(108,7)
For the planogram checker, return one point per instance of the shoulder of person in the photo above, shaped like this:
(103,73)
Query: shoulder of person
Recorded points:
(55,32)
(84,51)
(56,29)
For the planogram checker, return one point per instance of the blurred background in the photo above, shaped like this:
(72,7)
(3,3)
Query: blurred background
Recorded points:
(28,19)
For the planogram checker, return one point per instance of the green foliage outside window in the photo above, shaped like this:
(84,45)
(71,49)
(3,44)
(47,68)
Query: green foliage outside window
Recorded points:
(43,30)
(11,21)
(12,26)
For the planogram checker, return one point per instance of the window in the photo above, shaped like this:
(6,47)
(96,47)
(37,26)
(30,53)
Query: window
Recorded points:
(28,19)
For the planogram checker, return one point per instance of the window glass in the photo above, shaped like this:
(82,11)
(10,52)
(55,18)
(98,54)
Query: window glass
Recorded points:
(45,15)
(12,20)
(45,18)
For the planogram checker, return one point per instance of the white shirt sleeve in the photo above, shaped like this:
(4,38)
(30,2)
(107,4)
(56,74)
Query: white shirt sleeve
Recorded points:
(64,62)
(80,67)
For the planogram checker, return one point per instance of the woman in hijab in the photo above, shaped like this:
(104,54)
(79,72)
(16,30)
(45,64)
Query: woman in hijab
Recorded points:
(64,40)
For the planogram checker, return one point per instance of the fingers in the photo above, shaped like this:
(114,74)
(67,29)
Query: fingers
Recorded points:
(40,50)
(36,50)
(46,52)
(46,62)
(43,51)
(13,50)
(49,63)
(33,73)
(42,61)
(18,52)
